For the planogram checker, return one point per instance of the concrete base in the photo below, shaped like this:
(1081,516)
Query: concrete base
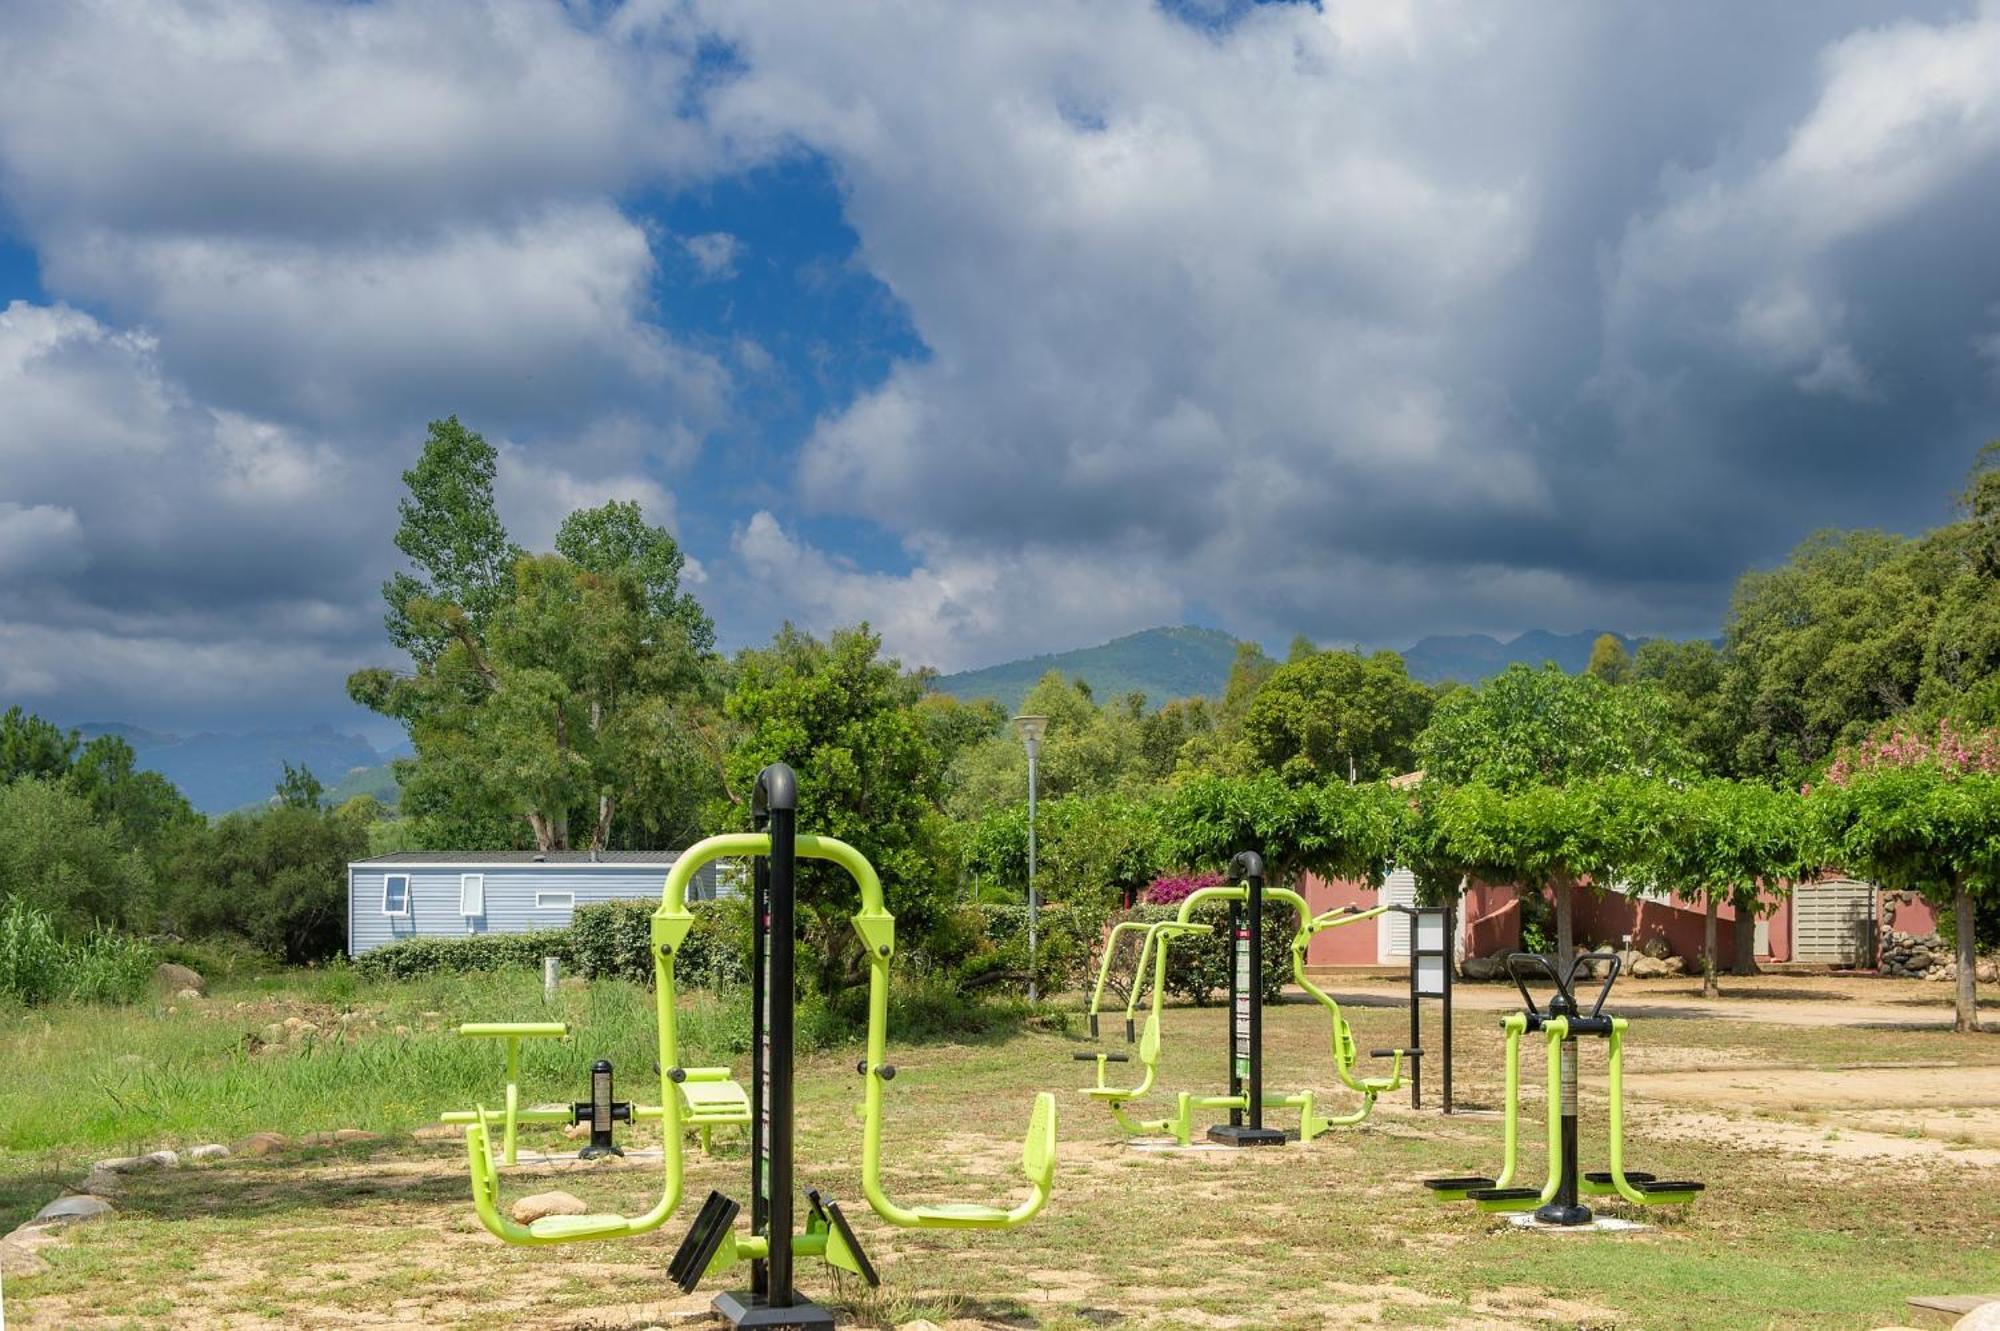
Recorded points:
(741,1308)
(1603,1224)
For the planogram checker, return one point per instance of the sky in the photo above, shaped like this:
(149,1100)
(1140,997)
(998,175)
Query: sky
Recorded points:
(1006,328)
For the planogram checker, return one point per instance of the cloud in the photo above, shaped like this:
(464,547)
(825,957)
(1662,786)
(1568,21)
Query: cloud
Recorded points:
(714,253)
(1371,321)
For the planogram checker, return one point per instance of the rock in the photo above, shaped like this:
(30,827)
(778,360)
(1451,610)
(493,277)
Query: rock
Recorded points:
(1987,972)
(1937,976)
(102,1183)
(439,1132)
(530,1209)
(1485,968)
(172,979)
(1657,949)
(261,1143)
(1649,968)
(209,1151)
(187,995)
(1918,961)
(137,1164)
(18,1263)
(339,1137)
(1676,965)
(72,1209)
(273,1034)
(576,1130)
(1986,1317)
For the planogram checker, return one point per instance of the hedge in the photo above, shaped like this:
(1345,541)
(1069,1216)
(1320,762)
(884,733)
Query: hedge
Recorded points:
(1198,964)
(605,940)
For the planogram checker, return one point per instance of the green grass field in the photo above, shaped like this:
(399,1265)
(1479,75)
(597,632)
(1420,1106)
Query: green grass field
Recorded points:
(1792,1233)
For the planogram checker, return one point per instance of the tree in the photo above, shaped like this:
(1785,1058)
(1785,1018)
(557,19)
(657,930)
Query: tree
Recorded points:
(616,539)
(451,532)
(1921,814)
(1517,743)
(846,719)
(1721,841)
(146,808)
(30,746)
(58,857)
(1329,828)
(560,690)
(276,878)
(1694,682)
(298,788)
(1609,661)
(1337,715)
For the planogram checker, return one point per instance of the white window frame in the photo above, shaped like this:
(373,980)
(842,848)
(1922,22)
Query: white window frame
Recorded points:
(471,893)
(408,901)
(568,901)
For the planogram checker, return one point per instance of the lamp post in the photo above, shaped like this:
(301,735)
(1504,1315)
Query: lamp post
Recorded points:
(1031,730)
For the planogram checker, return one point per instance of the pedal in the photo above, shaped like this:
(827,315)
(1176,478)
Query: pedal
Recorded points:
(843,1249)
(711,1226)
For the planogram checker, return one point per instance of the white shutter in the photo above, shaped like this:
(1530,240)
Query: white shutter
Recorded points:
(472,895)
(1392,927)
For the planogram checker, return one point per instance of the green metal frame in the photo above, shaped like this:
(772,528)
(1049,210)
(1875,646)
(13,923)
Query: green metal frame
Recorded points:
(513,1032)
(1515,1024)
(1554,1030)
(1615,1059)
(670,926)
(1157,934)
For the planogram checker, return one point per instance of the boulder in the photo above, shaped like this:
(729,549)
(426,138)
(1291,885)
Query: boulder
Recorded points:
(72,1209)
(1986,1317)
(18,1263)
(1483,968)
(261,1143)
(1649,968)
(1987,972)
(339,1137)
(102,1183)
(1918,961)
(137,1164)
(530,1209)
(1676,965)
(1657,949)
(210,1151)
(172,979)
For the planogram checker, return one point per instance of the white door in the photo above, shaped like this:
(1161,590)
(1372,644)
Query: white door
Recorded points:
(1833,923)
(1392,927)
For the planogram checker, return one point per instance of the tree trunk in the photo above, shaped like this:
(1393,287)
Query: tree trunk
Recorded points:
(544,834)
(1709,987)
(1746,940)
(1565,925)
(1968,961)
(601,834)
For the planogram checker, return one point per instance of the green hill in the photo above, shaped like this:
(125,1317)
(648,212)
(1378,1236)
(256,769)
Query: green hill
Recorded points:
(1161,663)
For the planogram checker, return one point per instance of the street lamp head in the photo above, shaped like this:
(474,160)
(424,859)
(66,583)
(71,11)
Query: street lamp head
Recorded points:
(1031,730)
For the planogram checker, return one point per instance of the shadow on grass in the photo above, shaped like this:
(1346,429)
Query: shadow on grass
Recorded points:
(280,1185)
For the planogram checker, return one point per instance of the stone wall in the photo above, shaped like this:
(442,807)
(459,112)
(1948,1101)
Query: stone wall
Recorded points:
(1928,957)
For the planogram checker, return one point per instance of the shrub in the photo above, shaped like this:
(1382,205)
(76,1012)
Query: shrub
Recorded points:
(38,965)
(1063,941)
(613,940)
(1198,964)
(1173,889)
(419,958)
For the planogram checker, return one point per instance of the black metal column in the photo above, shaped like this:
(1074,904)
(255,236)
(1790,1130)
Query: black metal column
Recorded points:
(760,1053)
(1566,1209)
(778,1008)
(1246,1012)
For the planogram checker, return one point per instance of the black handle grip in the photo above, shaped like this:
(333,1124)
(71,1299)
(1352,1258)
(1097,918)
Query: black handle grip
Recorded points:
(1391,1053)
(1109,1058)
(887,1072)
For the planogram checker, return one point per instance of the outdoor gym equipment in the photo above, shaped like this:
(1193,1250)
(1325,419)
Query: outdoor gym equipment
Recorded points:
(687,1094)
(708,1098)
(1556,1201)
(1245,1101)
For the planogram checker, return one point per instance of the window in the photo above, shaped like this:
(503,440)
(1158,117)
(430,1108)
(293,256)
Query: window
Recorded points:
(555,900)
(396,894)
(472,894)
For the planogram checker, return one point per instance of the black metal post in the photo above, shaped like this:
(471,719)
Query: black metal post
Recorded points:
(1246,1013)
(1450,948)
(771,1301)
(1416,1023)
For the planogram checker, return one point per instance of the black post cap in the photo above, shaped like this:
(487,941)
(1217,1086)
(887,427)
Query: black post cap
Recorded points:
(1247,864)
(777,788)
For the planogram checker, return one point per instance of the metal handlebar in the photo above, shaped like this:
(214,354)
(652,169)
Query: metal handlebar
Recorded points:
(1565,984)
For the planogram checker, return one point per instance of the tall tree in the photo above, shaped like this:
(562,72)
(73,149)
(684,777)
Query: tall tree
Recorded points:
(616,539)
(1609,660)
(298,788)
(30,746)
(1526,729)
(1337,715)
(451,533)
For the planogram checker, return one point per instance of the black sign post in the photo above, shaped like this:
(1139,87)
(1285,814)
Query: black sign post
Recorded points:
(1430,977)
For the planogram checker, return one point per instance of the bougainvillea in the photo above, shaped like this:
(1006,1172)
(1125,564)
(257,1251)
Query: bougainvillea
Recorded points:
(1172,889)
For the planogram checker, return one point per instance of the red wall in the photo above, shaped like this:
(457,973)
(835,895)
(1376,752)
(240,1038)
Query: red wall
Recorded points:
(1348,945)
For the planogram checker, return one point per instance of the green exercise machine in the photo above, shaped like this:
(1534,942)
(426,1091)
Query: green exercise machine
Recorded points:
(708,1098)
(1557,1202)
(770,1299)
(1246,1100)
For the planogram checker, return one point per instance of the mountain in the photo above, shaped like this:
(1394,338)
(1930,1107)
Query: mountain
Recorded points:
(1471,657)
(1161,663)
(220,772)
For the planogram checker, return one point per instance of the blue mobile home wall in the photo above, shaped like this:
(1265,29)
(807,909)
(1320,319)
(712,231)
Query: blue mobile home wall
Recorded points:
(510,897)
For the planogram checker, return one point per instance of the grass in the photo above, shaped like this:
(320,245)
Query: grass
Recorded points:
(1331,1234)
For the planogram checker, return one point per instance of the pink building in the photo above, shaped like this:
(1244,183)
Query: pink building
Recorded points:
(1836,921)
